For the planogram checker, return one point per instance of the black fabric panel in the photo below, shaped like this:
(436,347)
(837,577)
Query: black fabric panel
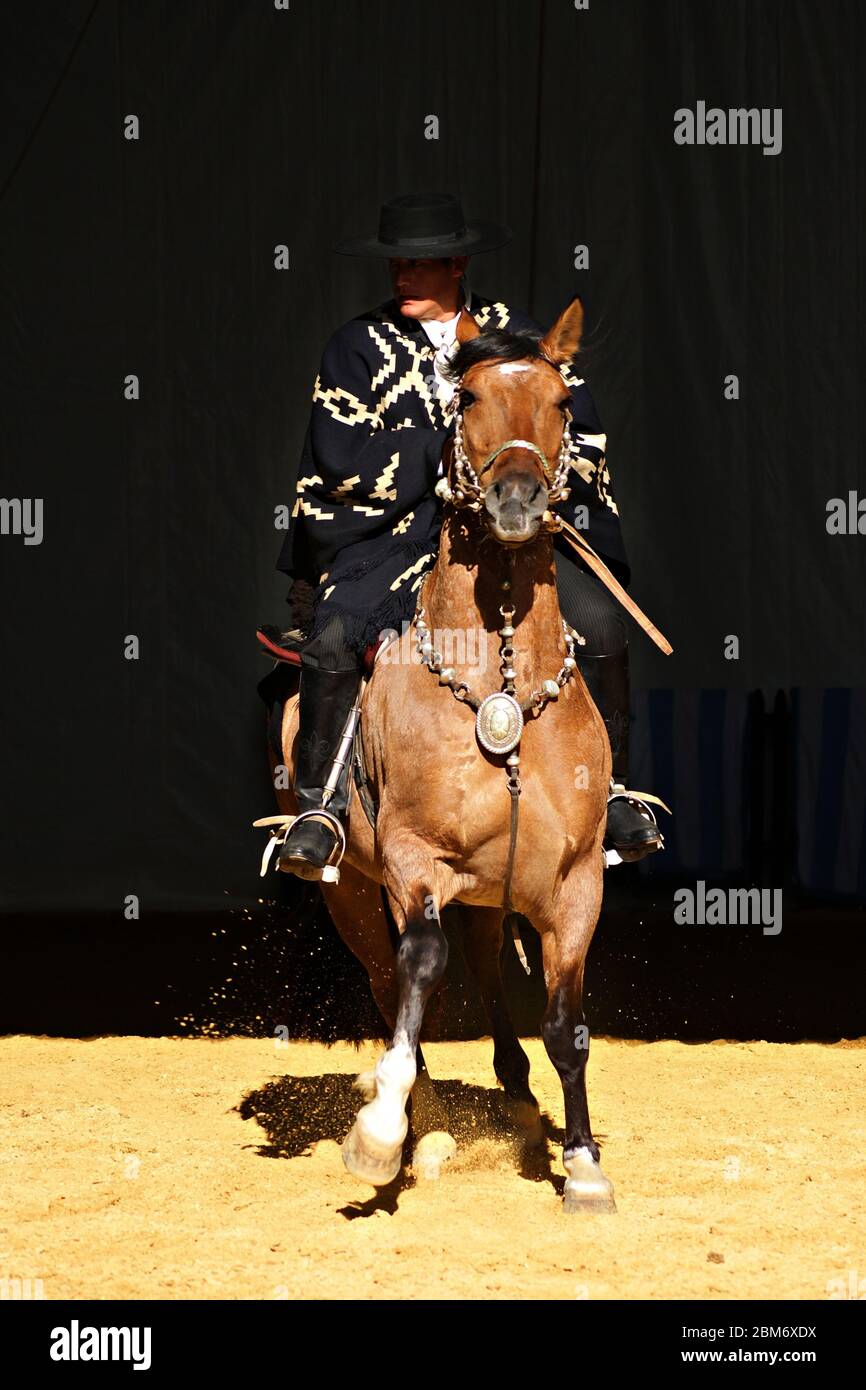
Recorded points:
(261,126)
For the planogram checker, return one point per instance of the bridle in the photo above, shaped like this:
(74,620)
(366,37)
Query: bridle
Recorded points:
(467,490)
(499,719)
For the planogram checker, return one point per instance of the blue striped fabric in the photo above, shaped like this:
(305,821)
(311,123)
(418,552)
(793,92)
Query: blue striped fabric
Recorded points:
(829,741)
(704,751)
(687,746)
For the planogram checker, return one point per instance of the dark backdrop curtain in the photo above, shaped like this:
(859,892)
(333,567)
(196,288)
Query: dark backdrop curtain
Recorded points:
(260,127)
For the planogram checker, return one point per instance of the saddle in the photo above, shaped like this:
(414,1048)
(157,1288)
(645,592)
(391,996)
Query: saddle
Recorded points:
(287,646)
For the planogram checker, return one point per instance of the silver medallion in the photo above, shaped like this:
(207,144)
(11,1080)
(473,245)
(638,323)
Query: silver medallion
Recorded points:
(499,723)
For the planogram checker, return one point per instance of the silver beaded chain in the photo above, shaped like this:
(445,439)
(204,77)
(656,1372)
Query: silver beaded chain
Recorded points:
(462,691)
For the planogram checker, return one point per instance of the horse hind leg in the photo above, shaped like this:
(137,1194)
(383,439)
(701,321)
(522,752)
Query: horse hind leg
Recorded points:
(481,940)
(373,1148)
(564,948)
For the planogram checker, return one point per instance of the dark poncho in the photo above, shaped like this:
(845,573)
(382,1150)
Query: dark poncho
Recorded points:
(365,524)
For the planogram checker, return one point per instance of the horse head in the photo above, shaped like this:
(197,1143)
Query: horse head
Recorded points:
(512,445)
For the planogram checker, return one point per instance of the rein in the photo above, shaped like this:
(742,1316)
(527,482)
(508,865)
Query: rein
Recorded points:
(468,492)
(499,717)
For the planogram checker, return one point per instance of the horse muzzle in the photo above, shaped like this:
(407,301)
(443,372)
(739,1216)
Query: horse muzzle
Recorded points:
(515,504)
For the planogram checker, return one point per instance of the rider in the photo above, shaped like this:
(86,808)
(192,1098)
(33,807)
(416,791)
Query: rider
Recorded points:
(365,522)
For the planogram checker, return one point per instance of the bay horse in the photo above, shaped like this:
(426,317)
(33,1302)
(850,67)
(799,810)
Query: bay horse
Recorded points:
(446,776)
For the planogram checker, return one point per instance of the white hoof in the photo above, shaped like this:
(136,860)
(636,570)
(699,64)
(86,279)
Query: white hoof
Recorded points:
(369,1156)
(433,1152)
(587,1188)
(373,1148)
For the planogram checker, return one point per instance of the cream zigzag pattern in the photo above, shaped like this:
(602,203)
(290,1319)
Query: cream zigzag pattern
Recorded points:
(413,569)
(343,405)
(386,335)
(309,509)
(389,364)
(412,379)
(595,472)
(383,489)
(594,441)
(568,375)
(503,314)
(588,468)
(604,489)
(584,467)
(341,492)
(403,525)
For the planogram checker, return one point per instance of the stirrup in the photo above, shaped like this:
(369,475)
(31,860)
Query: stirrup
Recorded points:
(639,800)
(280,826)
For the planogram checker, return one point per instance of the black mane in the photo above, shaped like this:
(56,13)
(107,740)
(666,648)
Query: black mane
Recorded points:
(495,346)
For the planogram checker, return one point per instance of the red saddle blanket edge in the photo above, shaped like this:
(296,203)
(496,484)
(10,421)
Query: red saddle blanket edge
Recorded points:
(278,653)
(293,658)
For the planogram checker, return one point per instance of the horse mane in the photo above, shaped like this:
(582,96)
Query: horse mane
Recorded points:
(494,346)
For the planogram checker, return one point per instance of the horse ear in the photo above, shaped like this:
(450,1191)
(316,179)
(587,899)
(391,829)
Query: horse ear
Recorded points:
(467,327)
(562,341)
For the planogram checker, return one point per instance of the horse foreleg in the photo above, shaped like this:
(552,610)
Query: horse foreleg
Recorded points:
(373,1147)
(356,909)
(566,1037)
(481,939)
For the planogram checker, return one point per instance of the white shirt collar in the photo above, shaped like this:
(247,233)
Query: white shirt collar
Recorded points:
(443,336)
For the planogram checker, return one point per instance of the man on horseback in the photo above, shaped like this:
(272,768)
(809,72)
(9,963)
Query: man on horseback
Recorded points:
(365,523)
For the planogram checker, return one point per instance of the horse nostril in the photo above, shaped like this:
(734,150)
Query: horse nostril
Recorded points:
(516,502)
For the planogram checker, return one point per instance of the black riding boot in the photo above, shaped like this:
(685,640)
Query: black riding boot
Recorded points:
(316,840)
(630,833)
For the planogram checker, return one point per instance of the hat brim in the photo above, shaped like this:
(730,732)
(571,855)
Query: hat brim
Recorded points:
(480,236)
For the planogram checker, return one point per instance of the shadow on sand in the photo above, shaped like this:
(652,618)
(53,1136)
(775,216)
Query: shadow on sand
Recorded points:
(296,1112)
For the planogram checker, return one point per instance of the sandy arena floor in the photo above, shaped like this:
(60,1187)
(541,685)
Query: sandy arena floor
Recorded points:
(192,1168)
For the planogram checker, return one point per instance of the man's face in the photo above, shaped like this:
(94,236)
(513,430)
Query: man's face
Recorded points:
(427,289)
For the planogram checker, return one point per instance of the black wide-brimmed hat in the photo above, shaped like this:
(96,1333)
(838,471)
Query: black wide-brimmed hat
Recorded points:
(422,225)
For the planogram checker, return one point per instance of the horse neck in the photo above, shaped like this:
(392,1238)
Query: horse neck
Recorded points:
(463,594)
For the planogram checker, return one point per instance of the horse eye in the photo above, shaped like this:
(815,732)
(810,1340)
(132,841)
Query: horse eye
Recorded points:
(466,399)
(564,405)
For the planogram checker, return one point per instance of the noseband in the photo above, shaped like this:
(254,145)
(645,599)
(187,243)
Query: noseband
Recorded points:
(467,490)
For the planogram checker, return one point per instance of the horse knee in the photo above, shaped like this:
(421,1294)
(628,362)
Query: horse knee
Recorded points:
(422,956)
